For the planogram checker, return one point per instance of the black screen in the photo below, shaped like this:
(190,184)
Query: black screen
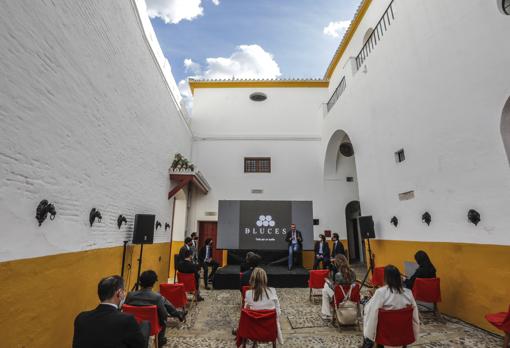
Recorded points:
(144,229)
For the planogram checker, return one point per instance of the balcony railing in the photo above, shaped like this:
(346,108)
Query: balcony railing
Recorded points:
(382,26)
(336,94)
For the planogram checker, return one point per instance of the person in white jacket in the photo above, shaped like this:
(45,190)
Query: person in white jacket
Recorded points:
(391,296)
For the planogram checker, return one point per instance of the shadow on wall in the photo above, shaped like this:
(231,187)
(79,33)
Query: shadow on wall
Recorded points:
(505,128)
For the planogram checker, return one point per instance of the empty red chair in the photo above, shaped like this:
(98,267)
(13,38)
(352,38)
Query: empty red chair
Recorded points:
(378,277)
(243,293)
(316,281)
(148,313)
(188,280)
(501,321)
(174,293)
(257,326)
(395,327)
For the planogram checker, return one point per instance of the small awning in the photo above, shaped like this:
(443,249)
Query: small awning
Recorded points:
(186,177)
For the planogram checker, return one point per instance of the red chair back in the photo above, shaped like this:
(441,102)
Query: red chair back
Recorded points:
(395,327)
(378,276)
(243,292)
(355,293)
(427,290)
(174,293)
(188,280)
(317,278)
(500,320)
(148,313)
(257,326)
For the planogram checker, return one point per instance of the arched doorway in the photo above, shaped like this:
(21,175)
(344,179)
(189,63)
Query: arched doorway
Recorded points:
(354,240)
(505,128)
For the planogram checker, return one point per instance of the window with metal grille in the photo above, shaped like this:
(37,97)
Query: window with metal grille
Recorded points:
(400,156)
(257,164)
(506,6)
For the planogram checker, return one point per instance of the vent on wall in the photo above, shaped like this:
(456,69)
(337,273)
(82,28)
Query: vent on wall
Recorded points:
(257,191)
(404,196)
(349,179)
(210,213)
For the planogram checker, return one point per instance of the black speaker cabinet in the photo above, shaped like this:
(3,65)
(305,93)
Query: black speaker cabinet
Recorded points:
(366,227)
(144,229)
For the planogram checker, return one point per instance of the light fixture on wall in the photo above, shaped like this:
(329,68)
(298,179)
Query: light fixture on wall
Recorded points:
(394,221)
(158,224)
(258,96)
(43,209)
(346,149)
(167,226)
(473,216)
(94,213)
(426,218)
(120,220)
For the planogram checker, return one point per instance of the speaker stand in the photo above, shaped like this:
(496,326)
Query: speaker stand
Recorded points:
(135,287)
(123,259)
(370,265)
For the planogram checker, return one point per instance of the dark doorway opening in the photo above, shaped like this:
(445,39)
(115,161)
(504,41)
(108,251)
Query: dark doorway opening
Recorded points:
(209,229)
(355,244)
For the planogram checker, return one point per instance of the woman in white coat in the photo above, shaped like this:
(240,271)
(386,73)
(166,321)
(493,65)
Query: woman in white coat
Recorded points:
(260,296)
(391,296)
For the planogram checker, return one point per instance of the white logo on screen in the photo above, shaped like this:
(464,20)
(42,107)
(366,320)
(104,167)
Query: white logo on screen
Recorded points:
(265,225)
(266,221)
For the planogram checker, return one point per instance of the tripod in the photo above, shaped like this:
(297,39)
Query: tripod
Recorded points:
(135,287)
(370,265)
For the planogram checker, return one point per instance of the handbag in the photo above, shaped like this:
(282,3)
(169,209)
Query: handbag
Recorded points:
(347,310)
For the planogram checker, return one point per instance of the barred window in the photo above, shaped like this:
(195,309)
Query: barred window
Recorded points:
(506,6)
(257,164)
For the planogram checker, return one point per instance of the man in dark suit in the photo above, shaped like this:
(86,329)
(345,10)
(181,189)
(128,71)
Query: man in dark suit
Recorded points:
(188,244)
(338,247)
(147,297)
(295,242)
(187,266)
(205,260)
(106,326)
(321,253)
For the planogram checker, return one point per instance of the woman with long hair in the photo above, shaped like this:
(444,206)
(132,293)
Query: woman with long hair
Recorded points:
(260,296)
(391,296)
(341,274)
(425,269)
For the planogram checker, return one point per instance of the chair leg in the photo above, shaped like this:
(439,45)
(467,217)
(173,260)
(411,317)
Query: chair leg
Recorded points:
(243,342)
(156,342)
(274,344)
(310,294)
(506,341)
(437,313)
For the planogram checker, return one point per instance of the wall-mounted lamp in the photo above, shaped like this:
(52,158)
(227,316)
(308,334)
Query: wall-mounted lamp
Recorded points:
(94,213)
(42,211)
(167,226)
(426,218)
(120,220)
(158,224)
(394,221)
(474,216)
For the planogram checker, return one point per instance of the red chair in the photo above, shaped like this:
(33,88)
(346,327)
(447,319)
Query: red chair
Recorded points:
(428,290)
(501,321)
(378,277)
(148,313)
(395,327)
(243,293)
(316,282)
(339,297)
(190,285)
(174,293)
(257,326)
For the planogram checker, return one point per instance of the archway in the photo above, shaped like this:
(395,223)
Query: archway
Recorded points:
(505,128)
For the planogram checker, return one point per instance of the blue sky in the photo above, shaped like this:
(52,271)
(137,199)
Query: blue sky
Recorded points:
(292,31)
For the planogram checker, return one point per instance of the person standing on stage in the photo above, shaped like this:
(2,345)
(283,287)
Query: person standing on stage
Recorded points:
(295,240)
(338,247)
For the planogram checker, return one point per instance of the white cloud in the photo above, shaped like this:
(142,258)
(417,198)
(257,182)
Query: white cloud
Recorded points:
(191,66)
(187,97)
(336,29)
(216,2)
(247,61)
(174,11)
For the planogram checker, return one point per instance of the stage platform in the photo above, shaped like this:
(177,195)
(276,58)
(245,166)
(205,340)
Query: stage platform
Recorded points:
(278,277)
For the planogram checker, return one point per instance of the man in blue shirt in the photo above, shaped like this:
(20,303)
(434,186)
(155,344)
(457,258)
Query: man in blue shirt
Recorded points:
(205,257)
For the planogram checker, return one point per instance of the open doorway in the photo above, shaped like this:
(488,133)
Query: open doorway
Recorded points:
(354,240)
(209,229)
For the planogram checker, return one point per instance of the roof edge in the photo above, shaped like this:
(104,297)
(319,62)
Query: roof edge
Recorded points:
(290,83)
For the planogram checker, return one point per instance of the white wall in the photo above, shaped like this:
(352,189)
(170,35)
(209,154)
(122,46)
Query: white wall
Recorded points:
(88,120)
(435,85)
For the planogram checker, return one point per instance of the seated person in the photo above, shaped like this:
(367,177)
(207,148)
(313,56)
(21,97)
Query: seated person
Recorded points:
(425,269)
(341,274)
(260,296)
(321,253)
(252,261)
(205,259)
(391,296)
(106,326)
(147,297)
(186,265)
(338,247)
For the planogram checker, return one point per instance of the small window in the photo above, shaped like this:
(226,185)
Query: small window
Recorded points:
(506,6)
(257,164)
(400,156)
(350,179)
